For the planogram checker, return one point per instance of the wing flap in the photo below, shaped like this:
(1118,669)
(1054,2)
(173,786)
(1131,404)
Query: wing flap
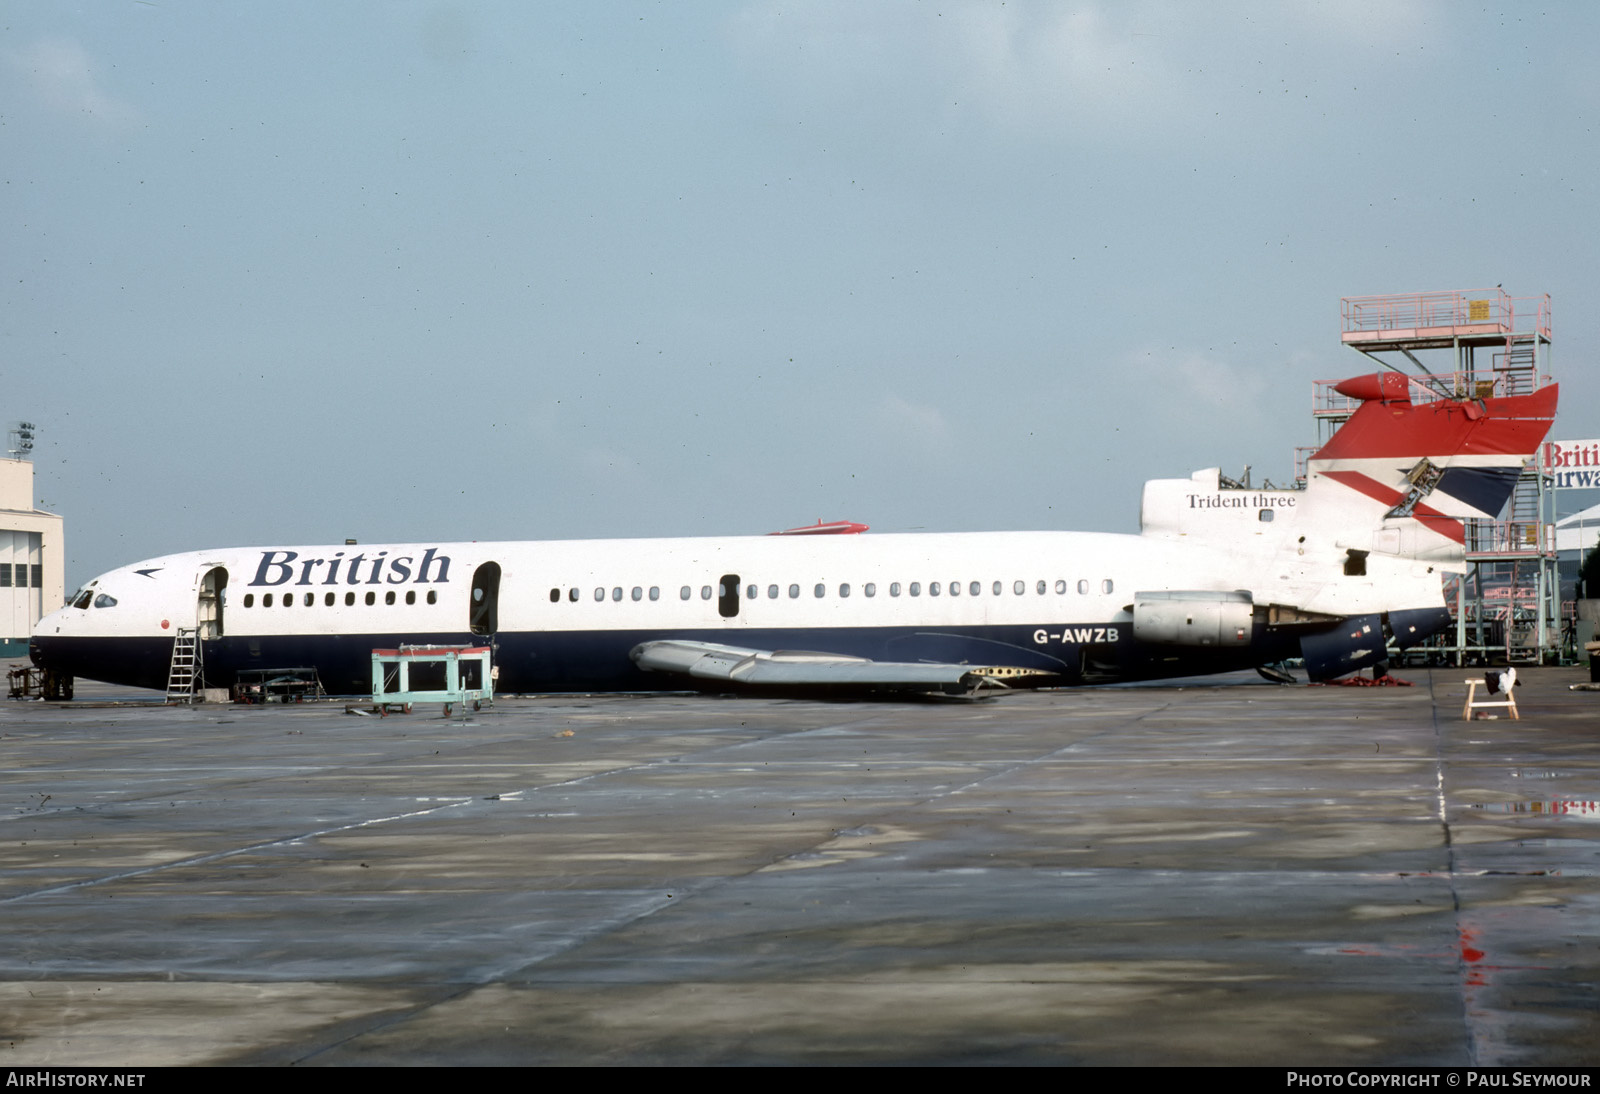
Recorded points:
(803,668)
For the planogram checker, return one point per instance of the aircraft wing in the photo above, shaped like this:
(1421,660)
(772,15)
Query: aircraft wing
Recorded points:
(801,668)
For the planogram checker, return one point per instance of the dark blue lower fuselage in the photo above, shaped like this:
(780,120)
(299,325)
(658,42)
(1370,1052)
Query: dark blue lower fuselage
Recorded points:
(599,661)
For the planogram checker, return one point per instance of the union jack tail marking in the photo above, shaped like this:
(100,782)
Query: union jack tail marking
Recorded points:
(1437,463)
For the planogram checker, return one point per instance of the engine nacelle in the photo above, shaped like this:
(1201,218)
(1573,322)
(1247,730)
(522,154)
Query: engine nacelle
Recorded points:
(1193,618)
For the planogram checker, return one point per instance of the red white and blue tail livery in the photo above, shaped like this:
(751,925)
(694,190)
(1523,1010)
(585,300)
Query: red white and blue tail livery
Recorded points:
(1427,468)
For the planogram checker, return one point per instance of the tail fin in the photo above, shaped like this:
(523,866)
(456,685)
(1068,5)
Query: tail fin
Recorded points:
(1403,477)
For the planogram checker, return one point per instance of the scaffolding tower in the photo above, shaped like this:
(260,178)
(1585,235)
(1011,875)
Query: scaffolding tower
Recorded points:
(1471,344)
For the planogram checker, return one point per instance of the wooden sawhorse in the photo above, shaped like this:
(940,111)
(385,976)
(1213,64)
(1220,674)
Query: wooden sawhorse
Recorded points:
(1509,701)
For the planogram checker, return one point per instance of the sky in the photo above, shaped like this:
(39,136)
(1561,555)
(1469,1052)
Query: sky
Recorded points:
(294,272)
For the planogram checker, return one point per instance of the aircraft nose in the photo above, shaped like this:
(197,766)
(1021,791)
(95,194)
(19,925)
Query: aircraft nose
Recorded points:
(49,624)
(43,649)
(43,653)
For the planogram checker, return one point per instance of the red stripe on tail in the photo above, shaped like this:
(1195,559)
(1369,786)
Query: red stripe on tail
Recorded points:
(1447,526)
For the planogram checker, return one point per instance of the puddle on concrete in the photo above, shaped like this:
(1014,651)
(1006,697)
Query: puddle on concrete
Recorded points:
(1556,807)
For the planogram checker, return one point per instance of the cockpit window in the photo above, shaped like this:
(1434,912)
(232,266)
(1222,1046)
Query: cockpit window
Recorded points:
(105,601)
(81,598)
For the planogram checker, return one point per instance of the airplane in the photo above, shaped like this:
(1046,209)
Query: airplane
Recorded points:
(1217,579)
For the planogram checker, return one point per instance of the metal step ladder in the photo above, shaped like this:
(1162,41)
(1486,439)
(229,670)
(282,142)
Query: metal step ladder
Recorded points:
(1528,536)
(1525,498)
(186,671)
(1517,368)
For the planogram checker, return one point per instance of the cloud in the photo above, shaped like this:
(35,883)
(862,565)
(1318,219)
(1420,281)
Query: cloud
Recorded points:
(1027,66)
(922,421)
(1208,381)
(1015,65)
(1034,67)
(1212,408)
(1360,20)
(61,75)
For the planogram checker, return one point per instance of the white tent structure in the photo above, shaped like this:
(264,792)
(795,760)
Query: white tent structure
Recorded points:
(1578,532)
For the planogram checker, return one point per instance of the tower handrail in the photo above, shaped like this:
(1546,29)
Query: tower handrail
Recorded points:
(1428,310)
(1478,311)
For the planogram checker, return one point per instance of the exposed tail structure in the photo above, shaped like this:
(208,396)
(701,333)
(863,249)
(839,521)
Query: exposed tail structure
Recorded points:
(1405,476)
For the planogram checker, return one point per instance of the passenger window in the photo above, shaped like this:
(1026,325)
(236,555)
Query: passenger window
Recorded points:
(311,600)
(288,600)
(388,597)
(555,596)
(772,592)
(249,600)
(329,598)
(916,588)
(955,588)
(751,592)
(1083,586)
(820,591)
(372,598)
(997,588)
(655,592)
(975,588)
(599,596)
(705,592)
(1106,586)
(1019,587)
(411,596)
(1039,588)
(894,588)
(637,594)
(616,592)
(933,588)
(433,596)
(794,592)
(266,600)
(870,589)
(572,595)
(683,593)
(844,591)
(350,599)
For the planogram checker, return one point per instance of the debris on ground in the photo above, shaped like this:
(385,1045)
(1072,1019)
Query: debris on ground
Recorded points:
(1364,682)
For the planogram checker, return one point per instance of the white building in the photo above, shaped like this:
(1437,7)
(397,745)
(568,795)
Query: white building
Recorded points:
(1578,533)
(32,559)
